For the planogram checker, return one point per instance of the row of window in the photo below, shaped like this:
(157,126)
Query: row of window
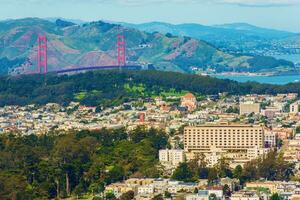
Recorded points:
(224,131)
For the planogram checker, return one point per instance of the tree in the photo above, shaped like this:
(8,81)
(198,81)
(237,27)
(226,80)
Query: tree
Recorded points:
(267,166)
(279,143)
(168,195)
(250,171)
(223,168)
(14,186)
(193,166)
(138,134)
(115,174)
(212,197)
(57,165)
(275,196)
(203,173)
(182,173)
(66,151)
(127,196)
(226,190)
(232,110)
(285,170)
(238,172)
(158,197)
(212,175)
(196,190)
(110,196)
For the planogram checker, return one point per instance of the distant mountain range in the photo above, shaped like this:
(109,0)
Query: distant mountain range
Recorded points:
(233,38)
(91,44)
(235,31)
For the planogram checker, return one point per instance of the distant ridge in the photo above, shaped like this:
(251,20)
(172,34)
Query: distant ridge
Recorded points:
(202,31)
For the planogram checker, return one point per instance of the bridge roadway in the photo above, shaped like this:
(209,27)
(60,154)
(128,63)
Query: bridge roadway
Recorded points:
(131,67)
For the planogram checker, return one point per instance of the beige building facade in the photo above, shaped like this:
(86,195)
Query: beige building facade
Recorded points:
(226,137)
(248,108)
(232,141)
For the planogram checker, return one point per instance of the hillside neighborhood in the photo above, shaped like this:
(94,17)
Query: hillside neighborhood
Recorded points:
(238,129)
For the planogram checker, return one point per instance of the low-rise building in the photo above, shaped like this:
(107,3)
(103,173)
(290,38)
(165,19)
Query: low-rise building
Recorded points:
(256,152)
(248,108)
(245,195)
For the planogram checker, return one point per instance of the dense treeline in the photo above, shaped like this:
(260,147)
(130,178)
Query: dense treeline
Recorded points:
(271,167)
(268,62)
(259,64)
(107,87)
(56,165)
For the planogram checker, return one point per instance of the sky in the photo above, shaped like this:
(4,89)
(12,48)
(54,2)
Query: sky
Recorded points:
(278,14)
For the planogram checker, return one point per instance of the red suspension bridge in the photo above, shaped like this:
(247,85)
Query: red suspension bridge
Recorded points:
(42,59)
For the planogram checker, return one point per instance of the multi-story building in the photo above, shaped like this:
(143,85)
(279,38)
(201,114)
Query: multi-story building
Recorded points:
(147,189)
(283,133)
(171,156)
(255,152)
(270,138)
(292,152)
(233,139)
(248,108)
(294,107)
(223,136)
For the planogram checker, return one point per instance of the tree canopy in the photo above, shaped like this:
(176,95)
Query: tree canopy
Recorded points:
(61,165)
(110,87)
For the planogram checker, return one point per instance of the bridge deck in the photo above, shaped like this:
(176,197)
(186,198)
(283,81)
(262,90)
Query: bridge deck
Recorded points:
(133,67)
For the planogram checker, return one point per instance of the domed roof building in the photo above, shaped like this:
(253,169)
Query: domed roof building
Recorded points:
(190,101)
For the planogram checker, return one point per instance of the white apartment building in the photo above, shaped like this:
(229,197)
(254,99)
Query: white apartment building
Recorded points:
(270,138)
(294,108)
(147,189)
(171,156)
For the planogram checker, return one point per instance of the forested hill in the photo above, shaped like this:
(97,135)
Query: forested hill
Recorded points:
(112,87)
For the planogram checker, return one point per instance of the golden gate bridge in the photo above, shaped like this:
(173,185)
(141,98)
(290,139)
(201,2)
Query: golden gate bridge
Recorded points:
(42,59)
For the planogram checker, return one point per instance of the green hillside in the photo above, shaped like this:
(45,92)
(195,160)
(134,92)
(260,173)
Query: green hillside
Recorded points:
(94,43)
(114,87)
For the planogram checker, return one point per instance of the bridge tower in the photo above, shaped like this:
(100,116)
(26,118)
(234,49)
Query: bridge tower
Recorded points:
(121,51)
(42,55)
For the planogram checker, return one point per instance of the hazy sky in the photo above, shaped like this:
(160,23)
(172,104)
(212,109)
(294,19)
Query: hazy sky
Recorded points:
(280,14)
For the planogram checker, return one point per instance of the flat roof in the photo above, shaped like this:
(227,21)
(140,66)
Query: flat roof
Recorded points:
(224,125)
